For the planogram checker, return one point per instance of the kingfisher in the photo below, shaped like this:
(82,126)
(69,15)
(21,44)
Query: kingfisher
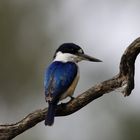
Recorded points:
(62,75)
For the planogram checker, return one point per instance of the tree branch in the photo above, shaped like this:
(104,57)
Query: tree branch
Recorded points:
(124,80)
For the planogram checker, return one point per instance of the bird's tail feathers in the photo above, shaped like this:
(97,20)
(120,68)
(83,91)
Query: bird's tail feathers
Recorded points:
(49,120)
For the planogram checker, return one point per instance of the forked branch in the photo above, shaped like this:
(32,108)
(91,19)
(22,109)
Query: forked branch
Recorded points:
(124,80)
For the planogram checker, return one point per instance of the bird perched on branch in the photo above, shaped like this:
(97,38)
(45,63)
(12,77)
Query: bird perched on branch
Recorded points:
(62,75)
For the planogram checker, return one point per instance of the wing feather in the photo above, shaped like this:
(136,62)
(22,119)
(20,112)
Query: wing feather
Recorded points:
(58,78)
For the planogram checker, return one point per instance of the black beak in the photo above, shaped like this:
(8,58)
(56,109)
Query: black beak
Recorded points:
(88,58)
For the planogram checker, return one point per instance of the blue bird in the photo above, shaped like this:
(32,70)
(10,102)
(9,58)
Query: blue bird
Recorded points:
(62,75)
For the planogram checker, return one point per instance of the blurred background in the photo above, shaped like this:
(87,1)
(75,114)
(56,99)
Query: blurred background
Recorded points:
(31,31)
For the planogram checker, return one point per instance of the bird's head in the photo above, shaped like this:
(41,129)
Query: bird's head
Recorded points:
(72,52)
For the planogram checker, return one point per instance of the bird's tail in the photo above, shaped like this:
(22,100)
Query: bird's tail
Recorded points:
(49,120)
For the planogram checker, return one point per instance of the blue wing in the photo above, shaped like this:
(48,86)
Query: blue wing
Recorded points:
(58,78)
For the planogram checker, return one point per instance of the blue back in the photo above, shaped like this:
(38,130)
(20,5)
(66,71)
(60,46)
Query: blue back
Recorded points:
(58,78)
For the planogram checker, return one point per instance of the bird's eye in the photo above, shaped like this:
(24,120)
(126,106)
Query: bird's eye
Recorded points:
(80,51)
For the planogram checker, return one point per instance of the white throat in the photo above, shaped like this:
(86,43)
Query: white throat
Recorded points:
(65,57)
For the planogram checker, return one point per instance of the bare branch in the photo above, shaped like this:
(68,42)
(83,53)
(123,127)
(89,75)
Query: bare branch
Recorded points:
(123,80)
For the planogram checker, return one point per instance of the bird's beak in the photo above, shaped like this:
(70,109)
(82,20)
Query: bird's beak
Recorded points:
(88,58)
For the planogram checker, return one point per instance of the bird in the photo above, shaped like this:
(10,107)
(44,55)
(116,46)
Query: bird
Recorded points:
(62,76)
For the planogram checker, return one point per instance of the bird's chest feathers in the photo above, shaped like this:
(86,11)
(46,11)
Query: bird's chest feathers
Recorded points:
(70,90)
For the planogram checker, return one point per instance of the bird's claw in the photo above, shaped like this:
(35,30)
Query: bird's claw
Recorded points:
(64,104)
(71,98)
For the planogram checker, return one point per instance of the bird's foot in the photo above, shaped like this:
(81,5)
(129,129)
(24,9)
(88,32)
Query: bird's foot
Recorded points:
(71,98)
(64,104)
